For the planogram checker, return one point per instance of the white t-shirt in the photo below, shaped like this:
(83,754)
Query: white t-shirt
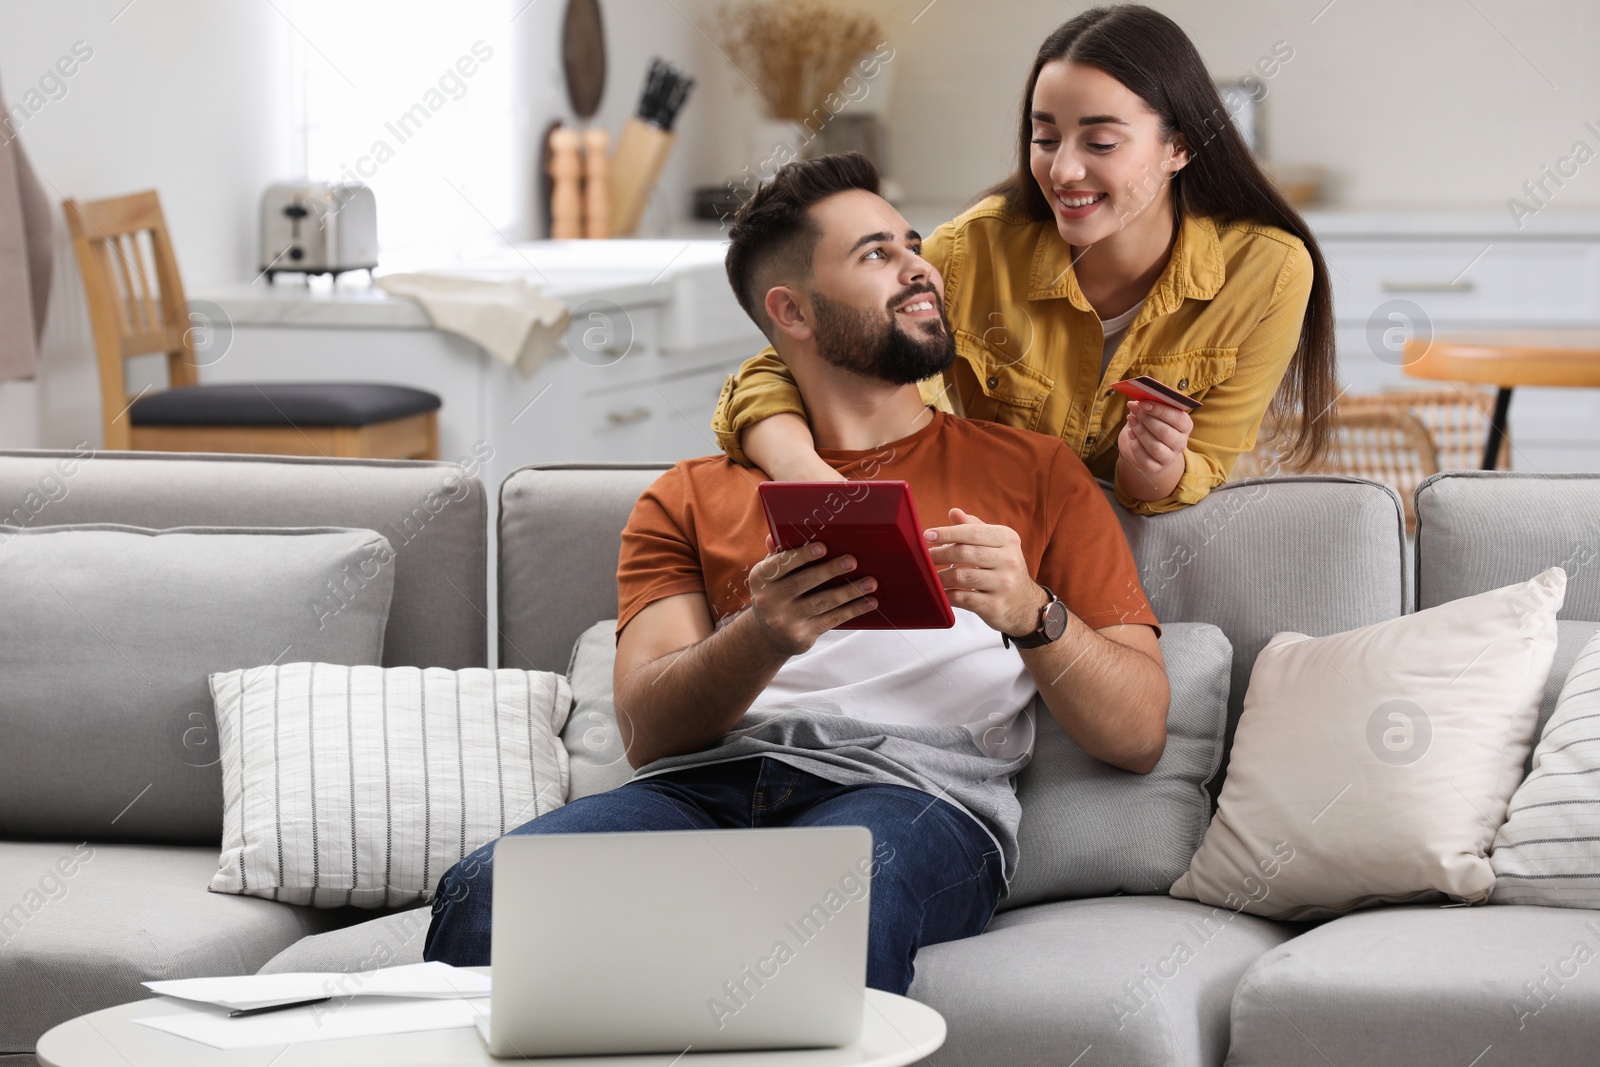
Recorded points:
(1114,328)
(963,676)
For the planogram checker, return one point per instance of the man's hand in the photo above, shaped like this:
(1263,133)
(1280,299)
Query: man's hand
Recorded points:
(788,608)
(982,570)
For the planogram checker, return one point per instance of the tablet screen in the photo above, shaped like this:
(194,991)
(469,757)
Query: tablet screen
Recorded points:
(876,522)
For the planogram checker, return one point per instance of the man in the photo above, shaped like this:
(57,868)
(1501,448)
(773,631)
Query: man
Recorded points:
(739,701)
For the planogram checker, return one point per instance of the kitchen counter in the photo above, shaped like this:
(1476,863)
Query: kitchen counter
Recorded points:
(626,273)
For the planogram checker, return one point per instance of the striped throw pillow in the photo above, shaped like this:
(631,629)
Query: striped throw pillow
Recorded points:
(362,785)
(1548,850)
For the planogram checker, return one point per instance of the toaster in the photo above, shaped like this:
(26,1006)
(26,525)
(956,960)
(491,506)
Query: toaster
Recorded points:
(318,228)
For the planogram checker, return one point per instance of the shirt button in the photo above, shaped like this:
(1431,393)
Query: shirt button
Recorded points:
(993,382)
(1183,383)
(1089,440)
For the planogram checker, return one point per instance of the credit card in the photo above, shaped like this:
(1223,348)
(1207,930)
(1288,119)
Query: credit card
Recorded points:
(1145,387)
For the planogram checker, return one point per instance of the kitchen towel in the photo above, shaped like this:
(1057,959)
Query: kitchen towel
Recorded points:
(511,319)
(25,256)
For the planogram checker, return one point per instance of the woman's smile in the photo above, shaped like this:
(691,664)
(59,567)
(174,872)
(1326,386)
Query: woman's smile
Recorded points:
(1072,204)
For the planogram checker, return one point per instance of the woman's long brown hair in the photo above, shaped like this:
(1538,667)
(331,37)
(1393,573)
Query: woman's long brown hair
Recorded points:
(1148,52)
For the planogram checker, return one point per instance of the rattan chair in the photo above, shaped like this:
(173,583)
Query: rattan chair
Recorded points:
(1399,438)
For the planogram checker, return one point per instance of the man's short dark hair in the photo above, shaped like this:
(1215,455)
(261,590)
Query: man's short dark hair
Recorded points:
(774,236)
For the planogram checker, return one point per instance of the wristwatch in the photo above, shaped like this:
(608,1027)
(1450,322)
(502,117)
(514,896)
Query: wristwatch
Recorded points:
(1052,624)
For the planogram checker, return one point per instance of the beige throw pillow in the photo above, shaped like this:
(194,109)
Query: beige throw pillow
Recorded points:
(1375,766)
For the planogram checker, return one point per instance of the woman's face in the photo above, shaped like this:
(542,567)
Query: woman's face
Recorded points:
(1099,156)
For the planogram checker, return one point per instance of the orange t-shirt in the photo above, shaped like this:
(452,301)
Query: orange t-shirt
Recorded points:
(700,528)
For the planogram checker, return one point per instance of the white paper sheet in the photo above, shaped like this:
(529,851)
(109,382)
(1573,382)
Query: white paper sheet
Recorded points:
(259,990)
(344,1017)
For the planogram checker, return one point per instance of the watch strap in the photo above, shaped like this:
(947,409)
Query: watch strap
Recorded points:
(1038,636)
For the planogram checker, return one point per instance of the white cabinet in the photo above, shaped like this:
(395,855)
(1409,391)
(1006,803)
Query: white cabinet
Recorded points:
(1506,281)
(1394,280)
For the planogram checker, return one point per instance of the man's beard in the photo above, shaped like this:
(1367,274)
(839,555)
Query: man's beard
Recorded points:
(856,339)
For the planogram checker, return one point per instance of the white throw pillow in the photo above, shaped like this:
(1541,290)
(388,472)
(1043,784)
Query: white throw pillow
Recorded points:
(1548,851)
(362,785)
(1374,766)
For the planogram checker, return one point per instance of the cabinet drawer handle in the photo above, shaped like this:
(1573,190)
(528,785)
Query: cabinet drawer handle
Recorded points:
(1460,286)
(625,416)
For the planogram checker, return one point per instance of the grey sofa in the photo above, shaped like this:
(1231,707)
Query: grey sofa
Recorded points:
(1398,985)
(139,911)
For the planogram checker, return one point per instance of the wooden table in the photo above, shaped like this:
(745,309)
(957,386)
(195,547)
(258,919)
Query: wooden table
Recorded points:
(1507,359)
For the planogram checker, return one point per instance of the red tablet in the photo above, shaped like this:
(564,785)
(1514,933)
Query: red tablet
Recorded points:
(876,522)
(1145,387)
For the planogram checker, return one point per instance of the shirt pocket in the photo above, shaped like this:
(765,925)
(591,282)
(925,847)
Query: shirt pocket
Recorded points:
(1003,389)
(1191,372)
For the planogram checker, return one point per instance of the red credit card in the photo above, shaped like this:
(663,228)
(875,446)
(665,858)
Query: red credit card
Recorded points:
(1145,387)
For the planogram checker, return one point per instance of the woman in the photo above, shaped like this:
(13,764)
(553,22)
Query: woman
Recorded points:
(1138,235)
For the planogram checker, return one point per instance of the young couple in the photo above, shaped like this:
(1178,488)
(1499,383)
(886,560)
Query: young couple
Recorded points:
(1137,235)
(740,702)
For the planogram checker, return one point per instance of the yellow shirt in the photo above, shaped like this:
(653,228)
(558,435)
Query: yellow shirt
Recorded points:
(1220,324)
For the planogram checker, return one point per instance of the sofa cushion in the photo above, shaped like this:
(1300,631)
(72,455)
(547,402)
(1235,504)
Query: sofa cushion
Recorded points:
(1090,829)
(281,404)
(1479,530)
(388,941)
(1571,635)
(435,516)
(592,740)
(1140,980)
(574,514)
(362,785)
(86,923)
(106,640)
(1375,766)
(1425,986)
(1316,554)
(1548,850)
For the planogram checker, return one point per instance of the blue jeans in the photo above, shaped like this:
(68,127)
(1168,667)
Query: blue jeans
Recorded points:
(938,873)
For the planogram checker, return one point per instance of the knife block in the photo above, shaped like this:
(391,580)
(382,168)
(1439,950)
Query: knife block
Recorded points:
(642,151)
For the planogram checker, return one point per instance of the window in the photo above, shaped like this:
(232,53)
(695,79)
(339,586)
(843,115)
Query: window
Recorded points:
(414,98)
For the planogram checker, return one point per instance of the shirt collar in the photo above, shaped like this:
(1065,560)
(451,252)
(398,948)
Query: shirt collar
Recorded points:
(1195,269)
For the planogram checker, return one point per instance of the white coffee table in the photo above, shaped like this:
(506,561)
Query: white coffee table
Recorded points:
(895,1031)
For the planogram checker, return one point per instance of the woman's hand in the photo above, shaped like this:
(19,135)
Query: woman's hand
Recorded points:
(1151,448)
(783,447)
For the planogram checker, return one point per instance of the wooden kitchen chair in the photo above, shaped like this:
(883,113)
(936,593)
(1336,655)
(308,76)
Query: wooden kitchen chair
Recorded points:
(137,307)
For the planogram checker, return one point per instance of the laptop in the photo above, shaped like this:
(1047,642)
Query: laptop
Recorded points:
(666,941)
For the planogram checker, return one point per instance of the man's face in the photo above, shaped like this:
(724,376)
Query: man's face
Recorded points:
(879,306)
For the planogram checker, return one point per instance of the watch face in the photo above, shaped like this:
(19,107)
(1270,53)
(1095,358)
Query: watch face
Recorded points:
(1055,619)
